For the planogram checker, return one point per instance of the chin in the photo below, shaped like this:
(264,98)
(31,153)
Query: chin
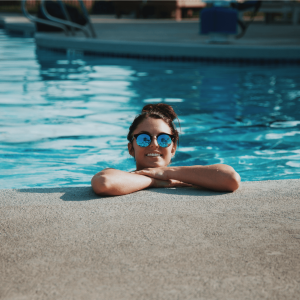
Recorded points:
(153,165)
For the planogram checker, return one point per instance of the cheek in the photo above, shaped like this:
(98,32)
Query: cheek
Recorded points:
(168,153)
(131,149)
(138,152)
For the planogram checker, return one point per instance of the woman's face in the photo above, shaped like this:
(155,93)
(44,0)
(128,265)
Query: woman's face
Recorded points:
(142,154)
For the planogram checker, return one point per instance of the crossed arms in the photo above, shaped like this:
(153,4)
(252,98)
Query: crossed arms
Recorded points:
(219,177)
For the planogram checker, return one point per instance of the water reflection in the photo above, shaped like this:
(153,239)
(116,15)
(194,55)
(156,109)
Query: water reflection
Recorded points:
(64,118)
(224,110)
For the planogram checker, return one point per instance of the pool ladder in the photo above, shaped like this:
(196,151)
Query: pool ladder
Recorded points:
(66,25)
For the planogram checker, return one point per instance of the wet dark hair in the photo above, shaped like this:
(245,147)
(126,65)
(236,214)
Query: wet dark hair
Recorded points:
(156,111)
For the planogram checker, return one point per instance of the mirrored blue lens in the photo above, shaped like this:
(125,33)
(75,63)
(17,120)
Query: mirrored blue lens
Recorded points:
(143,140)
(164,140)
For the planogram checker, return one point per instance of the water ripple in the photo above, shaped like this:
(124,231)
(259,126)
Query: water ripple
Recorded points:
(62,119)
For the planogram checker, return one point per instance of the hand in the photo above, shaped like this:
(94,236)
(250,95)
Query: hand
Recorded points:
(157,173)
(160,179)
(157,183)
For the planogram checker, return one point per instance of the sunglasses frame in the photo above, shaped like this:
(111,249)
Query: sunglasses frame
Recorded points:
(151,137)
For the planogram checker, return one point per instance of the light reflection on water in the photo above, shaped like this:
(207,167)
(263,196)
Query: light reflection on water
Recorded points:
(65,118)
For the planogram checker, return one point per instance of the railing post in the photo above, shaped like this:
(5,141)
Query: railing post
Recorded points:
(63,8)
(38,20)
(60,21)
(83,8)
(63,24)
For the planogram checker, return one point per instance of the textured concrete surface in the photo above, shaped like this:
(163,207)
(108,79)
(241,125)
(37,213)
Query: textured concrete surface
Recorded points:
(17,24)
(184,243)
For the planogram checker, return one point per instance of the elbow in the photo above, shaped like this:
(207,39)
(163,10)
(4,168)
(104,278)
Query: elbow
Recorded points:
(234,181)
(100,185)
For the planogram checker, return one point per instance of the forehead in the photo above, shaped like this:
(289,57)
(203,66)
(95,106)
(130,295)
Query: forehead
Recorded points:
(153,126)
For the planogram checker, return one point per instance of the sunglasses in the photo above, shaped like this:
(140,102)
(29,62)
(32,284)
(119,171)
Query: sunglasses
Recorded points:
(144,139)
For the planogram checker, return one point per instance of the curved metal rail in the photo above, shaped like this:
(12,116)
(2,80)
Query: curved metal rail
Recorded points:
(86,14)
(38,20)
(67,24)
(64,22)
(67,16)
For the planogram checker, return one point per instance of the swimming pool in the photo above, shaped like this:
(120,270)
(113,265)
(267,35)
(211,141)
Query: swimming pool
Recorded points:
(65,117)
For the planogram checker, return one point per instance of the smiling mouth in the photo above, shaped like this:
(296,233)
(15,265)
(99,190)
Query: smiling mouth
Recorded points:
(153,154)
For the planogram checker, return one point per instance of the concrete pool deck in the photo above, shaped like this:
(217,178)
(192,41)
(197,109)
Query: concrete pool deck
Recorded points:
(68,243)
(180,40)
(169,39)
(17,24)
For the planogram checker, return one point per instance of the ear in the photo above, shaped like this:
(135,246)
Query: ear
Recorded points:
(173,150)
(130,149)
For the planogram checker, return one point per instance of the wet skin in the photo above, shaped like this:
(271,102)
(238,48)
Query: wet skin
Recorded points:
(152,169)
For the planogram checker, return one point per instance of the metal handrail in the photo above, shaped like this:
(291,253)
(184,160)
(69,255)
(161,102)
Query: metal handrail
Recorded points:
(86,14)
(38,20)
(60,23)
(64,22)
(67,16)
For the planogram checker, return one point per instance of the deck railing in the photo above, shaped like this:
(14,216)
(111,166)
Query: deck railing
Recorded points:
(65,24)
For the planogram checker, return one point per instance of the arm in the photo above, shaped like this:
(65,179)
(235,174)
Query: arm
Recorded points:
(112,182)
(214,177)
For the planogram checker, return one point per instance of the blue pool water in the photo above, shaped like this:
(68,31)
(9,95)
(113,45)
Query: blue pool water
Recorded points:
(65,117)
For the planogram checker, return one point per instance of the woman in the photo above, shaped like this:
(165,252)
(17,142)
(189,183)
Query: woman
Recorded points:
(152,142)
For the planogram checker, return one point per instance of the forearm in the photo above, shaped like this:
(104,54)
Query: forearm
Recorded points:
(215,177)
(111,182)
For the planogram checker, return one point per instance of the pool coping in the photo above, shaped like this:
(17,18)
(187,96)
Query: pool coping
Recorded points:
(255,47)
(167,50)
(16,24)
(182,242)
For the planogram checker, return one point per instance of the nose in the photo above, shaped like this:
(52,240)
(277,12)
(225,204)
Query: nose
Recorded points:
(154,142)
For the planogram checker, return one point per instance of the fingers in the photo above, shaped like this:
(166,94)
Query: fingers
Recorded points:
(176,183)
(158,183)
(143,172)
(185,184)
(157,173)
(149,173)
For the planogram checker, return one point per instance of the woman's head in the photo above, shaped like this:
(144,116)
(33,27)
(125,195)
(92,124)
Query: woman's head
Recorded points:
(156,124)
